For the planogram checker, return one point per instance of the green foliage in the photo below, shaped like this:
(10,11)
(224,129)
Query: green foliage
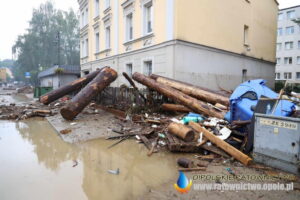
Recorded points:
(59,71)
(39,46)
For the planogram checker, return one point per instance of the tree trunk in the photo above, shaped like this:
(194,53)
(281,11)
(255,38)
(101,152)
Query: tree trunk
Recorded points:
(243,158)
(190,102)
(175,108)
(194,91)
(67,89)
(181,131)
(84,97)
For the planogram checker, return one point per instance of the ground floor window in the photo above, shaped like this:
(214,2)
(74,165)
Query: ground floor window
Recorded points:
(148,68)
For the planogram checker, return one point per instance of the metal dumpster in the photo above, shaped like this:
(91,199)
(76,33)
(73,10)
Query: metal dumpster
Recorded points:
(39,91)
(277,142)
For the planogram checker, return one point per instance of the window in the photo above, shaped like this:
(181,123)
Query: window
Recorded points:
(279,32)
(106,4)
(298,44)
(107,37)
(129,69)
(290,14)
(277,75)
(97,42)
(86,16)
(129,28)
(278,46)
(289,30)
(246,35)
(244,75)
(147,18)
(297,75)
(86,47)
(97,8)
(288,60)
(82,19)
(82,49)
(280,16)
(278,61)
(148,68)
(288,45)
(298,60)
(287,75)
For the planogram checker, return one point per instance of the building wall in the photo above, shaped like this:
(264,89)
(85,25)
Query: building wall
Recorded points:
(281,67)
(3,74)
(220,24)
(57,81)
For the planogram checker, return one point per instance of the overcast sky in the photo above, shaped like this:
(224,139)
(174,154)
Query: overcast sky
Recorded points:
(15,14)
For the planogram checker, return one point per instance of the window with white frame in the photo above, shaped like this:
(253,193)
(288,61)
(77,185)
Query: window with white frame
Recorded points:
(277,75)
(129,69)
(148,67)
(97,8)
(289,30)
(86,47)
(82,19)
(278,61)
(82,49)
(288,60)
(298,60)
(106,4)
(287,75)
(107,37)
(279,31)
(278,46)
(288,45)
(147,17)
(129,27)
(97,42)
(290,14)
(297,75)
(280,16)
(86,16)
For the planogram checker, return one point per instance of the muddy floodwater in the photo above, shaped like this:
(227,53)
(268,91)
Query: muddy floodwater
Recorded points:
(36,164)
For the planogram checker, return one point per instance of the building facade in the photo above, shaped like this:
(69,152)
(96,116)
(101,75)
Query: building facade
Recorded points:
(288,45)
(58,76)
(209,43)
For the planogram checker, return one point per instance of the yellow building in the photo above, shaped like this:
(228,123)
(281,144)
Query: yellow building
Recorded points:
(2,74)
(212,43)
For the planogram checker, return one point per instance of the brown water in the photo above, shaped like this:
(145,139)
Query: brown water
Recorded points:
(36,164)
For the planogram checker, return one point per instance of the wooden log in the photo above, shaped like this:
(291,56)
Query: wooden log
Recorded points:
(134,86)
(67,89)
(243,158)
(218,105)
(194,91)
(84,97)
(181,131)
(174,108)
(190,102)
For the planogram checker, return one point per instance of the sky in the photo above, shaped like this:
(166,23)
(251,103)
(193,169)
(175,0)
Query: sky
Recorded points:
(15,15)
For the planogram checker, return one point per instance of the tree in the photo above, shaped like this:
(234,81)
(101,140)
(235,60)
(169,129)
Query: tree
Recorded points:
(39,46)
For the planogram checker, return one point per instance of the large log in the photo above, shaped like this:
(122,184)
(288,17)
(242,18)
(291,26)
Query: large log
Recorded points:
(194,91)
(84,97)
(190,102)
(67,89)
(174,108)
(243,158)
(181,131)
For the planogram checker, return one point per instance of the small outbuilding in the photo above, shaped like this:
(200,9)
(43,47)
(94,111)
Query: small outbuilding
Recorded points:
(58,76)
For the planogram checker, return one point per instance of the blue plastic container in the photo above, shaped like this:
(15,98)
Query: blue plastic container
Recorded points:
(246,96)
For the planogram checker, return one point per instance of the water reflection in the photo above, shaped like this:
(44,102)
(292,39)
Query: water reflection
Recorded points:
(48,147)
(138,172)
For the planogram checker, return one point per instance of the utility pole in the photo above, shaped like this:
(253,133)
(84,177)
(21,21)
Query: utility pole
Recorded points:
(58,47)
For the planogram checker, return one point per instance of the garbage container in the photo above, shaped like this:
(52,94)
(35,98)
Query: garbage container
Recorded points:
(40,91)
